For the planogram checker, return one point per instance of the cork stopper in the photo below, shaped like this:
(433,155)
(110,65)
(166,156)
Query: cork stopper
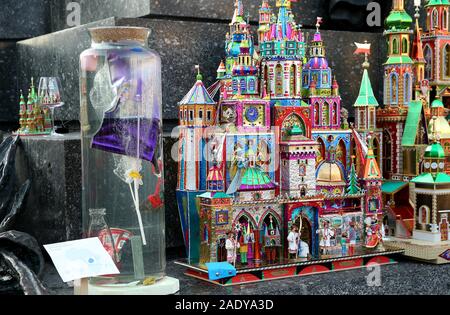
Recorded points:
(118,34)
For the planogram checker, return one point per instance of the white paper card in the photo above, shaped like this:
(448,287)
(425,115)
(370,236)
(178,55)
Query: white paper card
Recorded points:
(81,259)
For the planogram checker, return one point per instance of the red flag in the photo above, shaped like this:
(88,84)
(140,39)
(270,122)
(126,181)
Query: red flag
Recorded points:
(362,48)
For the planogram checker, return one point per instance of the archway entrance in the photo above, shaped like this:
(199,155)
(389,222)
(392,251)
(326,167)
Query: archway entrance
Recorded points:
(305,230)
(221,251)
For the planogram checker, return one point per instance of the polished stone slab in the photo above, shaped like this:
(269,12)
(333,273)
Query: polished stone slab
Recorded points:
(337,14)
(24,19)
(94,10)
(52,210)
(9,107)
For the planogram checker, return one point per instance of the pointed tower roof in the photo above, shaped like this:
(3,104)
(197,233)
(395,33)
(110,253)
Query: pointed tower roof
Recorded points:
(366,96)
(371,168)
(198,95)
(417,50)
(238,16)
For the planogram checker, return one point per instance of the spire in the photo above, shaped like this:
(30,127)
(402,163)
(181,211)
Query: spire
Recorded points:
(199,75)
(22,99)
(371,169)
(353,186)
(238,12)
(417,52)
(366,96)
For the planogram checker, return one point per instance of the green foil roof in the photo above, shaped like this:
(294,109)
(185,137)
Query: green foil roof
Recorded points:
(437,3)
(437,103)
(435,151)
(412,123)
(391,187)
(399,20)
(394,60)
(366,96)
(427,178)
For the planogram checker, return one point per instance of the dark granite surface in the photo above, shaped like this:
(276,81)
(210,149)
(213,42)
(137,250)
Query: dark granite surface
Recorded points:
(57,54)
(405,278)
(24,19)
(94,10)
(337,15)
(8,81)
(52,210)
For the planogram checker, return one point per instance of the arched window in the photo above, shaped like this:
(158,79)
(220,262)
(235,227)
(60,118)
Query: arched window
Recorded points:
(317,114)
(293,80)
(407,88)
(251,85)
(445,19)
(372,120)
(404,46)
(424,215)
(435,19)
(320,154)
(387,154)
(326,114)
(394,88)
(394,46)
(243,86)
(235,86)
(341,154)
(376,149)
(279,91)
(446,62)
(335,114)
(429,59)
(266,80)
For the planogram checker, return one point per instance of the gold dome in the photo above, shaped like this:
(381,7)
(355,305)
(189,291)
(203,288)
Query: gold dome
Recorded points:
(330,173)
(442,128)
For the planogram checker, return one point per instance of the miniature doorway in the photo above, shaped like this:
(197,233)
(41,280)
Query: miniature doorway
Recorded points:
(305,230)
(246,234)
(221,251)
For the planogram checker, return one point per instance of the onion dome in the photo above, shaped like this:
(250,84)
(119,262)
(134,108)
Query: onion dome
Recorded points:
(329,173)
(437,103)
(399,20)
(433,3)
(435,151)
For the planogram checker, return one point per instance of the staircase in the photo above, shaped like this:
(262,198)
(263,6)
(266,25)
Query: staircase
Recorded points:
(404,218)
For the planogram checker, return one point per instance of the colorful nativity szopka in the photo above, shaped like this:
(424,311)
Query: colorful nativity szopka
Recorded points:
(271,178)
(35,120)
(416,132)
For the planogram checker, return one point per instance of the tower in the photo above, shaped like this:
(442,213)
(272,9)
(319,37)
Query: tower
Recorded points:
(197,112)
(436,49)
(245,73)
(320,89)
(398,80)
(282,51)
(371,183)
(421,86)
(366,106)
(298,164)
(215,218)
(265,14)
(430,194)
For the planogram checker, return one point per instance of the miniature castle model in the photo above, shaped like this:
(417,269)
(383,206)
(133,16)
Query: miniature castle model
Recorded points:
(280,153)
(34,120)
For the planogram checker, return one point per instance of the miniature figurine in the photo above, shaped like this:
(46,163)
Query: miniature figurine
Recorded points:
(303,249)
(352,238)
(344,241)
(243,248)
(293,239)
(326,233)
(231,246)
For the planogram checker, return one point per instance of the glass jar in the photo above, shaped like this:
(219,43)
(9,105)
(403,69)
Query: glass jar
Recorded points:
(121,130)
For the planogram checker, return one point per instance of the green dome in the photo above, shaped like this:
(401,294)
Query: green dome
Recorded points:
(437,3)
(399,19)
(435,151)
(437,103)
